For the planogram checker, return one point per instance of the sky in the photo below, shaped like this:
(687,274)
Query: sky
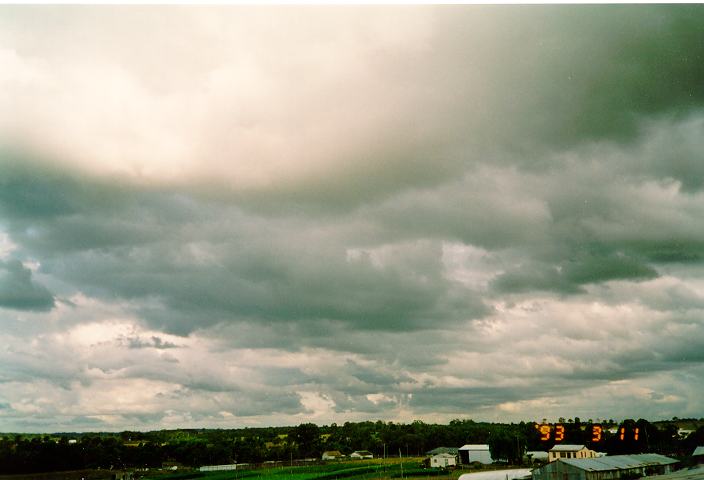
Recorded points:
(234,216)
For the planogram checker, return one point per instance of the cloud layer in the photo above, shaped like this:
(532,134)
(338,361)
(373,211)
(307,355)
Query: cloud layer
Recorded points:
(232,216)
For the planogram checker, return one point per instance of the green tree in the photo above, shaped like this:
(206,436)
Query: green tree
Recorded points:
(307,438)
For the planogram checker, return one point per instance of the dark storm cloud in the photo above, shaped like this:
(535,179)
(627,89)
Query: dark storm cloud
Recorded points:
(375,376)
(153,342)
(569,74)
(18,290)
(206,271)
(568,276)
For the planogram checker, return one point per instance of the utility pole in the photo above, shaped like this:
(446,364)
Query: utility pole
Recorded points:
(399,456)
(383,462)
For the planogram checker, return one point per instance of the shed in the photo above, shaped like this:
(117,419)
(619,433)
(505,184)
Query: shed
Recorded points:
(332,455)
(475,453)
(443,460)
(360,454)
(605,468)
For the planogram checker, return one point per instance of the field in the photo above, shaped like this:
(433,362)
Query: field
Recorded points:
(360,470)
(357,470)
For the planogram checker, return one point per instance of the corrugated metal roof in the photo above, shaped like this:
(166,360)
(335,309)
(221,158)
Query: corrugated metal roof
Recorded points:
(435,451)
(698,451)
(537,454)
(696,473)
(618,462)
(474,447)
(566,448)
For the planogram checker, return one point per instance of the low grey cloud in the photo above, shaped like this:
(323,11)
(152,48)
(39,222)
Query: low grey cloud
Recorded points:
(153,342)
(19,291)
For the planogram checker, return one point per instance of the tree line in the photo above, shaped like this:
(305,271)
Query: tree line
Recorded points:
(194,447)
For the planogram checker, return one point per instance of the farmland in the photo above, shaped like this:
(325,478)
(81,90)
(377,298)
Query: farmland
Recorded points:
(359,470)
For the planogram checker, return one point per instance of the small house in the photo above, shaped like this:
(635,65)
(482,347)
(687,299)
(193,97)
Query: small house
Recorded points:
(361,454)
(332,455)
(443,460)
(570,451)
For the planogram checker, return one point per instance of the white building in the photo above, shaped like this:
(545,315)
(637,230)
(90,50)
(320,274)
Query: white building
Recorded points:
(570,451)
(332,455)
(475,453)
(361,454)
(443,460)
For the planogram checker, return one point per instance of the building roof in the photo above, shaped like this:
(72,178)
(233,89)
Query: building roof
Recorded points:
(618,462)
(698,451)
(435,451)
(333,452)
(537,454)
(362,452)
(696,473)
(567,448)
(474,447)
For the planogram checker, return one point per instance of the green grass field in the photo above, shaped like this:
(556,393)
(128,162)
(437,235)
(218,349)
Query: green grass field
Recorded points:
(361,470)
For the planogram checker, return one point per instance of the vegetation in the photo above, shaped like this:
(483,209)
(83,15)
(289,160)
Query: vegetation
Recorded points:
(195,447)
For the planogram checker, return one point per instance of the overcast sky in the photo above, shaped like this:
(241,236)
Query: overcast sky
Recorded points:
(239,216)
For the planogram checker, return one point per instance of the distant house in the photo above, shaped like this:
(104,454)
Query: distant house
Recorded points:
(332,455)
(439,450)
(443,460)
(475,453)
(361,454)
(570,451)
(605,468)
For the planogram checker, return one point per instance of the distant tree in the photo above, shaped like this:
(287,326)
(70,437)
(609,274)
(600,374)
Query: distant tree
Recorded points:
(307,439)
(506,445)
